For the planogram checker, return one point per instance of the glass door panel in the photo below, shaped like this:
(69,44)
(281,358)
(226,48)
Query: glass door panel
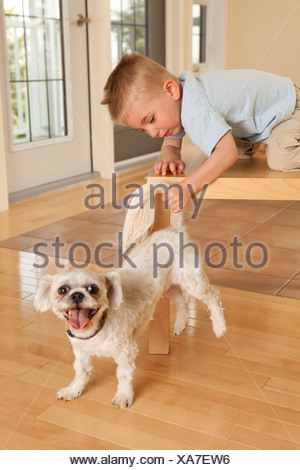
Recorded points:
(136,26)
(37,77)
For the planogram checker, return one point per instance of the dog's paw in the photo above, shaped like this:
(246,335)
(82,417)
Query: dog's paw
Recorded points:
(179,327)
(178,330)
(220,329)
(122,400)
(68,394)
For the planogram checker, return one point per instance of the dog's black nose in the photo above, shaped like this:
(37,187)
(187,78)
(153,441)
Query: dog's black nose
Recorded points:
(77,297)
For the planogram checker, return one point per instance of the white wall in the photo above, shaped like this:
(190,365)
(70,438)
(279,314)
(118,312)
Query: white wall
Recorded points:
(264,35)
(177,24)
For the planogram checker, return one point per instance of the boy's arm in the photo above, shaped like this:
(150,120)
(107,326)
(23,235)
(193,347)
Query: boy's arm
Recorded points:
(170,157)
(223,157)
(225,154)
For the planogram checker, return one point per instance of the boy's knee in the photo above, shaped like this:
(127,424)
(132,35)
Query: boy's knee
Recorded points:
(280,164)
(283,159)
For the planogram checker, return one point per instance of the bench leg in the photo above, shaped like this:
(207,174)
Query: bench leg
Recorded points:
(159,327)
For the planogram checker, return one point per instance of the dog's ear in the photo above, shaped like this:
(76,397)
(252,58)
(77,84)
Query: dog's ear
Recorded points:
(42,297)
(114,290)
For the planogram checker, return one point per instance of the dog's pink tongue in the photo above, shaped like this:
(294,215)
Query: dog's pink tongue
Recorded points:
(79,318)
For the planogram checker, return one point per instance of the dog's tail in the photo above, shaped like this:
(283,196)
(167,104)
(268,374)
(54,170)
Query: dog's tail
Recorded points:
(140,218)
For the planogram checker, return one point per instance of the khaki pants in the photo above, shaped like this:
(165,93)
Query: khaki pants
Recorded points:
(283,144)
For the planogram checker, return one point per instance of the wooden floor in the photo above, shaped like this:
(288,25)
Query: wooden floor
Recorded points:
(238,392)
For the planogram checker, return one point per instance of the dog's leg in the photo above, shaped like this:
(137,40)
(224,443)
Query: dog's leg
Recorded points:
(196,284)
(211,298)
(125,369)
(82,367)
(214,305)
(180,300)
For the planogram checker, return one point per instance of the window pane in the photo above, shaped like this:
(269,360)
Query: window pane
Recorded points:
(16,48)
(196,12)
(115,10)
(140,11)
(53,49)
(11,7)
(33,7)
(199,33)
(38,111)
(195,49)
(140,40)
(116,44)
(196,33)
(37,87)
(196,30)
(128,28)
(51,8)
(56,108)
(128,11)
(127,39)
(19,112)
(35,48)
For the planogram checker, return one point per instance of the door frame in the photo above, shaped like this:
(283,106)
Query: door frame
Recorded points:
(100,67)
(3,170)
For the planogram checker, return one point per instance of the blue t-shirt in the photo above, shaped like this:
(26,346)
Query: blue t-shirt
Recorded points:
(250,103)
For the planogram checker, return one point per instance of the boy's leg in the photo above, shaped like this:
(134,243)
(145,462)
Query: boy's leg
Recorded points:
(283,145)
(244,147)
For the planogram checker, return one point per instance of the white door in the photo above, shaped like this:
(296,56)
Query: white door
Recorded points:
(48,98)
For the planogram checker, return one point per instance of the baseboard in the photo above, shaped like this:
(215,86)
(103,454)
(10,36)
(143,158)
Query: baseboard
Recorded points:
(51,187)
(135,162)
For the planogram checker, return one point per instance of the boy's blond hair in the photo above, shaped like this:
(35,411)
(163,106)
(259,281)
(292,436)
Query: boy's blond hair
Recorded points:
(135,76)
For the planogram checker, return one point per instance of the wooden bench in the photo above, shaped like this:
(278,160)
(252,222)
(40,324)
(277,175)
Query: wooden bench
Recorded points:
(247,179)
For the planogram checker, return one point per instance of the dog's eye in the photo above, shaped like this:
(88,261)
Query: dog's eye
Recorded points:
(93,289)
(63,290)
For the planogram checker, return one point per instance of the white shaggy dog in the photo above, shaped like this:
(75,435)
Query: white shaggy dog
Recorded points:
(104,310)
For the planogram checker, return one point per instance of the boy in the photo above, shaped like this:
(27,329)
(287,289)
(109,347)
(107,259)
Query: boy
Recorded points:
(213,109)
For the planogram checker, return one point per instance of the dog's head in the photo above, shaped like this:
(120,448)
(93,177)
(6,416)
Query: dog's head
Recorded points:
(80,297)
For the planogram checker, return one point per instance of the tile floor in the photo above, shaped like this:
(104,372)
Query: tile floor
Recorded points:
(250,245)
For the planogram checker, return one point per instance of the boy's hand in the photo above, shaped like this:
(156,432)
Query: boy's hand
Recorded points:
(178,199)
(170,158)
(175,166)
